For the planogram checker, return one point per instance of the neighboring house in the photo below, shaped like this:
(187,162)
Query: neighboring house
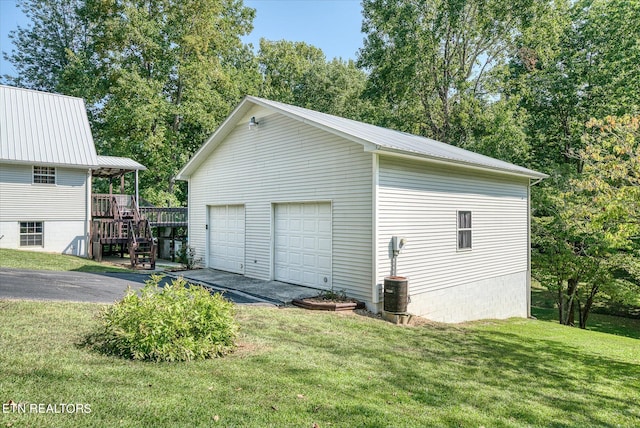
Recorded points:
(285,193)
(47,159)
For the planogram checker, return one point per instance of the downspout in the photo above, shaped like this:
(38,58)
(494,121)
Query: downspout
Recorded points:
(137,191)
(87,220)
(375,182)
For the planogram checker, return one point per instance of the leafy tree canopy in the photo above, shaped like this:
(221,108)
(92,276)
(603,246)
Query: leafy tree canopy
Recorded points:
(436,63)
(587,229)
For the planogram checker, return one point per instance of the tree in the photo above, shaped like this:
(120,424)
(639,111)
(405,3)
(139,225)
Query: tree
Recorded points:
(588,68)
(297,73)
(435,62)
(171,72)
(586,240)
(158,75)
(54,53)
(283,65)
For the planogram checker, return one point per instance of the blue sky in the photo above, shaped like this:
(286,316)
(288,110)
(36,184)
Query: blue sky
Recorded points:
(331,25)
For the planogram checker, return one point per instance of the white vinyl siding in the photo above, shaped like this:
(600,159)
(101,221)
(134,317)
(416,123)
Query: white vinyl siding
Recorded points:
(285,161)
(421,202)
(20,197)
(60,208)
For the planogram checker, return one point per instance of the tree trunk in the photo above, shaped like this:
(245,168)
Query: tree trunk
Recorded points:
(572,286)
(560,302)
(584,313)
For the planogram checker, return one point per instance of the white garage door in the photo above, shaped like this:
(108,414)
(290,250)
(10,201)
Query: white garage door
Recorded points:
(226,238)
(303,244)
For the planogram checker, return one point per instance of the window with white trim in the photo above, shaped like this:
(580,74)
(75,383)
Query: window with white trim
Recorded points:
(44,175)
(31,234)
(464,230)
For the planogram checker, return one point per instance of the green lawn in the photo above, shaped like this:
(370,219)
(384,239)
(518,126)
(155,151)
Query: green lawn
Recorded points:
(543,308)
(295,368)
(46,261)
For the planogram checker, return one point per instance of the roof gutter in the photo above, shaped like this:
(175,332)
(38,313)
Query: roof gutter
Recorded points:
(51,164)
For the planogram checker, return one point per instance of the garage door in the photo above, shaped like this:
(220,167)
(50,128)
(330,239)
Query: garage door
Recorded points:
(303,244)
(226,238)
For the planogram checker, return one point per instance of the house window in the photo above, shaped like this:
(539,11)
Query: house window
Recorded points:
(464,230)
(44,175)
(31,234)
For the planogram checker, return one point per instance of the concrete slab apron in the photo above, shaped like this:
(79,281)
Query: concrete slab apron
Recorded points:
(275,292)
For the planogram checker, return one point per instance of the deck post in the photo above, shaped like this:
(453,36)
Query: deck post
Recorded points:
(137,193)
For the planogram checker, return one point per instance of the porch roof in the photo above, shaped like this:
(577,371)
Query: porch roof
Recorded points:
(114,166)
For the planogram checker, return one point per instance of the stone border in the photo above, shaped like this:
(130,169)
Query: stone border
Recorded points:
(328,306)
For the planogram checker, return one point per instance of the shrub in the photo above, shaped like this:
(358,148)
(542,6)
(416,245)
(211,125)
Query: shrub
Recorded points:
(180,322)
(186,256)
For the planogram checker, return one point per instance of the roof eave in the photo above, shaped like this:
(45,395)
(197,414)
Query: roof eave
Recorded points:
(530,174)
(51,164)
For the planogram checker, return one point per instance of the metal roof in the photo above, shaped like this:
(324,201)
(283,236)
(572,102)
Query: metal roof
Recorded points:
(111,166)
(373,138)
(400,142)
(43,128)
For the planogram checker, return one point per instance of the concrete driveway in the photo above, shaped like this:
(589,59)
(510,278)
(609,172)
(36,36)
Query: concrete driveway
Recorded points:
(276,292)
(81,286)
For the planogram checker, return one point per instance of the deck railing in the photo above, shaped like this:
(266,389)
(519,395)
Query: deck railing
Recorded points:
(102,205)
(121,206)
(109,230)
(162,216)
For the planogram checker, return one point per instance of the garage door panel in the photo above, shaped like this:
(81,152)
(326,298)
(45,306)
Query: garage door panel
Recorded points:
(324,244)
(294,259)
(324,262)
(309,243)
(310,225)
(303,244)
(310,277)
(226,238)
(295,241)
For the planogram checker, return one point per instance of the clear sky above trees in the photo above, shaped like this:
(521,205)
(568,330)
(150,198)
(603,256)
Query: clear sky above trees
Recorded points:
(333,26)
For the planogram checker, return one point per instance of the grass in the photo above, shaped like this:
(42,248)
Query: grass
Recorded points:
(33,260)
(295,368)
(543,308)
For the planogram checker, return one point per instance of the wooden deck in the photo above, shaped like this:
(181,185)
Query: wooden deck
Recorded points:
(165,217)
(119,225)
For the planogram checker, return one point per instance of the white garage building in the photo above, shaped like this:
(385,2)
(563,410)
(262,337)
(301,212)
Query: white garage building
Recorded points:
(284,193)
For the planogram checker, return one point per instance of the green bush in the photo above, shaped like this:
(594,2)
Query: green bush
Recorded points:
(186,256)
(180,322)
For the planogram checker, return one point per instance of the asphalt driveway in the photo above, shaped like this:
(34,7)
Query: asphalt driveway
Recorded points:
(79,286)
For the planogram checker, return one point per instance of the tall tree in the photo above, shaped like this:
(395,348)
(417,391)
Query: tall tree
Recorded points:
(172,72)
(283,65)
(159,75)
(434,61)
(586,234)
(298,73)
(54,53)
(592,71)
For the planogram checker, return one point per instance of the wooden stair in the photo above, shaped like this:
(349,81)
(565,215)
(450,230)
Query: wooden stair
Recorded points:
(142,245)
(124,227)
